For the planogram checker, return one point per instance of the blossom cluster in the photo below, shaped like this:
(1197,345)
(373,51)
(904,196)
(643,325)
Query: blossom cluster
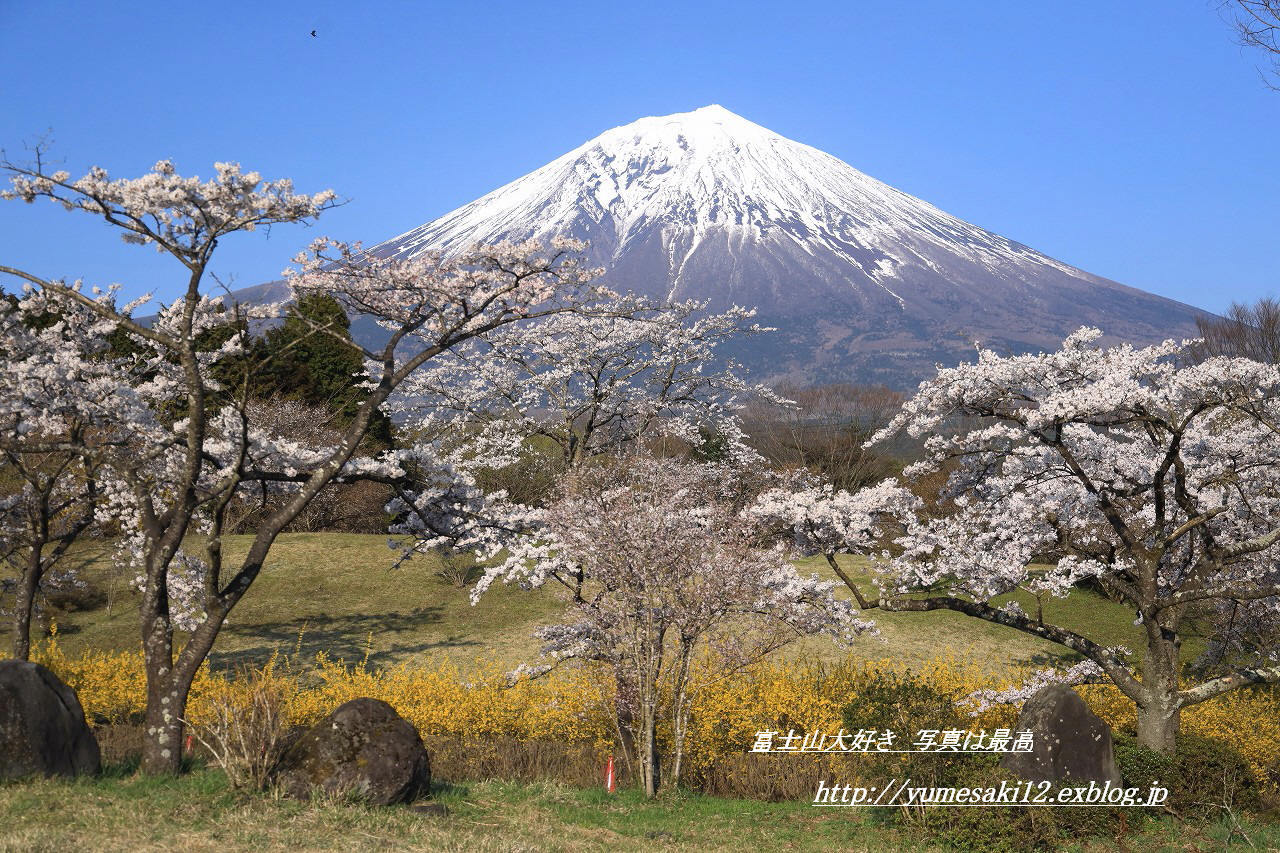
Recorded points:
(659,537)
(1084,672)
(591,382)
(169,211)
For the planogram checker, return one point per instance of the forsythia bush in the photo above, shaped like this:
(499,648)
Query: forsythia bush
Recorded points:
(570,706)
(112,686)
(728,712)
(574,705)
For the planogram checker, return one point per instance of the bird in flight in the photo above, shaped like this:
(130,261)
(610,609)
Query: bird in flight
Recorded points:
(313,33)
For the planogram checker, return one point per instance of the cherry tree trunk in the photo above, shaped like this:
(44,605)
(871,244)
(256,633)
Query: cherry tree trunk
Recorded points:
(24,600)
(1158,727)
(1159,715)
(166,710)
(624,707)
(650,769)
(168,687)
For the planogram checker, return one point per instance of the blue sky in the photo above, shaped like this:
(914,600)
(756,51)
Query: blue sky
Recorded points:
(1134,140)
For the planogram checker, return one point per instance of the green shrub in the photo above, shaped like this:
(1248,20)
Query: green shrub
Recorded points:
(1007,828)
(904,704)
(1205,774)
(1140,766)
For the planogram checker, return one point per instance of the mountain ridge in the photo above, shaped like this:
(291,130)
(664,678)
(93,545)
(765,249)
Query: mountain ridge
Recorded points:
(864,282)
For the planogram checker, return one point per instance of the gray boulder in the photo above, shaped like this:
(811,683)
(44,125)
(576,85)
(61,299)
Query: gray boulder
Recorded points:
(42,726)
(1070,742)
(363,748)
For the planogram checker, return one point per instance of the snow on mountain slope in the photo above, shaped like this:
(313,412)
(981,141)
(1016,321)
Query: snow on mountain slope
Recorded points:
(864,282)
(705,170)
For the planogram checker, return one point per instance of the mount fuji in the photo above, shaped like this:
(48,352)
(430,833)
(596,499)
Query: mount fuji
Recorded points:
(862,281)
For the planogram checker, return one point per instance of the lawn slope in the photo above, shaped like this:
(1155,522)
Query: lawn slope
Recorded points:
(337,593)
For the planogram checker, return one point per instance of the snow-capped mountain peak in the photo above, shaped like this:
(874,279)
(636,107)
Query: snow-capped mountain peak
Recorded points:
(705,170)
(863,278)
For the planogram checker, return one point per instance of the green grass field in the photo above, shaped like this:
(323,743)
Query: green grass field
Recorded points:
(198,812)
(336,592)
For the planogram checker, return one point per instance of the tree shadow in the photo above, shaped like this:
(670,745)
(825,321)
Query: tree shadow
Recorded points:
(1051,659)
(121,768)
(348,638)
(439,786)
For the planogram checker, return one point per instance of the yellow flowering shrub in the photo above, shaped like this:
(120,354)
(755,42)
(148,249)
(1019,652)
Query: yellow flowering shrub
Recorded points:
(569,706)
(572,705)
(112,686)
(727,712)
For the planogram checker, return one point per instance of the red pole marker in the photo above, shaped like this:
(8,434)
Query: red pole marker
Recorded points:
(188,743)
(610,784)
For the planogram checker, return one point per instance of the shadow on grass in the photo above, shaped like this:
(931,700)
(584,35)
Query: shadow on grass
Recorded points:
(121,768)
(1051,659)
(345,637)
(440,788)
(128,765)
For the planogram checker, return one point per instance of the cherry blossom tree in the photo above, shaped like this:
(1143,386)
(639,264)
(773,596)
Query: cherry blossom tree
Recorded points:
(673,567)
(188,466)
(589,384)
(315,427)
(61,401)
(1157,481)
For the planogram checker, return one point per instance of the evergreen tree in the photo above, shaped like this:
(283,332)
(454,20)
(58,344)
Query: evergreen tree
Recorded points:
(312,358)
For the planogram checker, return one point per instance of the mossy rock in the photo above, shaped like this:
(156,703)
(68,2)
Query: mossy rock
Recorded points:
(363,749)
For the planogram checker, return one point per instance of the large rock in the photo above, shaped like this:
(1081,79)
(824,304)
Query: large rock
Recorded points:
(1070,742)
(42,726)
(364,747)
